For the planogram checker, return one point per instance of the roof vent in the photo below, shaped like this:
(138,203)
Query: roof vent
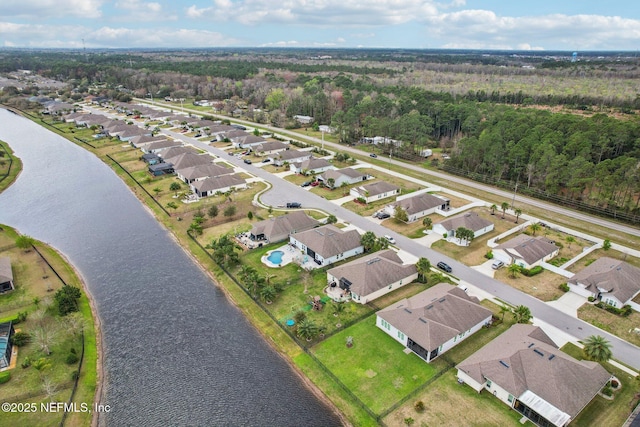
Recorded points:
(535,350)
(430,306)
(552,356)
(441,300)
(422,320)
(531,345)
(407,310)
(504,364)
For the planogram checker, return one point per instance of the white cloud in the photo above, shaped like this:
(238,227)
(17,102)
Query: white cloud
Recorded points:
(484,29)
(127,37)
(47,9)
(138,10)
(354,13)
(30,35)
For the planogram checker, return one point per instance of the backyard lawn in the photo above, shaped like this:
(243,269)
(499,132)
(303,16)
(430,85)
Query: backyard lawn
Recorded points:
(375,369)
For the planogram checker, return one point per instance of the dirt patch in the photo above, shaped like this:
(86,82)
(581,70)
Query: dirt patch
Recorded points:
(370,373)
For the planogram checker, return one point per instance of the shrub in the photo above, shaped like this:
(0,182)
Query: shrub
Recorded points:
(564,287)
(71,359)
(22,316)
(532,271)
(67,299)
(615,384)
(5,377)
(419,406)
(591,299)
(75,375)
(299,316)
(26,363)
(20,338)
(607,390)
(489,254)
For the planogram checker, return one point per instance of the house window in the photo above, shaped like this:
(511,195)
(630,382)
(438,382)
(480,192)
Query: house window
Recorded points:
(489,383)
(400,335)
(390,286)
(510,399)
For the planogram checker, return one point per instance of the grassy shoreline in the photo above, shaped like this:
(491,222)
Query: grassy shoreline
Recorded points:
(89,377)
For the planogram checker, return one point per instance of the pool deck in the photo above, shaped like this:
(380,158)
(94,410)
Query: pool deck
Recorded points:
(288,254)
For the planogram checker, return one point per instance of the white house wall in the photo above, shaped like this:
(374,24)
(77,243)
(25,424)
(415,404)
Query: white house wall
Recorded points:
(580,290)
(499,392)
(363,299)
(470,381)
(463,336)
(392,331)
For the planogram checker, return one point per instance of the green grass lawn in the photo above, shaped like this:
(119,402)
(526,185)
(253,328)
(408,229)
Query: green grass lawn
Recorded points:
(375,369)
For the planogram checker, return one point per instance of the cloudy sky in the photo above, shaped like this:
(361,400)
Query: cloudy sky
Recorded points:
(464,24)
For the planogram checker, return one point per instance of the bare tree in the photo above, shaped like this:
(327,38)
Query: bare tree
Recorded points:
(44,338)
(49,387)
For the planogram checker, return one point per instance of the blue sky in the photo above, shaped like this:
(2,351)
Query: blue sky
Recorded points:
(459,24)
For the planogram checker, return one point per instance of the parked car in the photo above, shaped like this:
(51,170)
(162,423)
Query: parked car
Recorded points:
(497,264)
(247,161)
(231,153)
(266,160)
(444,266)
(374,155)
(390,239)
(293,205)
(383,215)
(315,183)
(305,184)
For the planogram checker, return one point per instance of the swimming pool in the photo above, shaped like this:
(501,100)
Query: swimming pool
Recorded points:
(275,257)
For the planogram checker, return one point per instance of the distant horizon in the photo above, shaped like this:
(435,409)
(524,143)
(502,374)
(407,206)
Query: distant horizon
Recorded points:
(547,25)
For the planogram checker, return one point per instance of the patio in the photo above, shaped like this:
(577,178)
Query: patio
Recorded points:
(337,294)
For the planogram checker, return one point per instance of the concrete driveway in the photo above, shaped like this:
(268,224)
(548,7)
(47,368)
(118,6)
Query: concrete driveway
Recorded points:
(485,268)
(569,303)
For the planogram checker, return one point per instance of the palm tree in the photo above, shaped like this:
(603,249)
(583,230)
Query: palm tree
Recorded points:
(307,329)
(268,293)
(368,241)
(504,310)
(514,270)
(331,182)
(504,206)
(423,266)
(535,227)
(518,212)
(597,348)
(493,209)
(427,222)
(522,314)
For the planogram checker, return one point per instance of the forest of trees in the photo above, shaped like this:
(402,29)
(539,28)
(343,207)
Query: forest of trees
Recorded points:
(474,106)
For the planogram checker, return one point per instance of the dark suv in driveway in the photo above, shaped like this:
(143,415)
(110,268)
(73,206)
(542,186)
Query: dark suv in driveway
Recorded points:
(293,205)
(444,266)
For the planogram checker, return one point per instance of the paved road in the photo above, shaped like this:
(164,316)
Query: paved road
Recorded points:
(284,191)
(506,195)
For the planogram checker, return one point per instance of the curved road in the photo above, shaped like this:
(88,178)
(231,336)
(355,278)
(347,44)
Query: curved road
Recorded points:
(284,191)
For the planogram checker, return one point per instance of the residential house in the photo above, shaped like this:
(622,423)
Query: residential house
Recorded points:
(141,140)
(248,141)
(151,159)
(219,131)
(200,172)
(218,184)
(328,244)
(168,153)
(303,120)
(187,160)
(612,281)
(269,148)
(311,166)
(279,228)
(375,191)
(525,370)
(347,175)
(372,276)
(419,205)
(291,156)
(6,275)
(157,146)
(232,134)
(6,334)
(434,321)
(468,220)
(132,132)
(526,251)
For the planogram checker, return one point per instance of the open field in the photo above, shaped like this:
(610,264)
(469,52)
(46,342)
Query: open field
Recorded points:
(544,286)
(623,327)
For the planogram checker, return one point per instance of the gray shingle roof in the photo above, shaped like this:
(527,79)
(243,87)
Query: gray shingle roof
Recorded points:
(314,163)
(373,272)
(611,275)
(421,202)
(203,171)
(328,240)
(530,249)
(270,146)
(6,275)
(445,310)
(518,361)
(349,172)
(376,188)
(218,182)
(293,222)
(189,159)
(470,220)
(292,154)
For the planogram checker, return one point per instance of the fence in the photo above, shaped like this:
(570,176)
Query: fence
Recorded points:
(139,185)
(538,194)
(6,150)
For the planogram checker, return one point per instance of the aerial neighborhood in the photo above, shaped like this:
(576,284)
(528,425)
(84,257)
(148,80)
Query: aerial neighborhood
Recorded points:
(405,295)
